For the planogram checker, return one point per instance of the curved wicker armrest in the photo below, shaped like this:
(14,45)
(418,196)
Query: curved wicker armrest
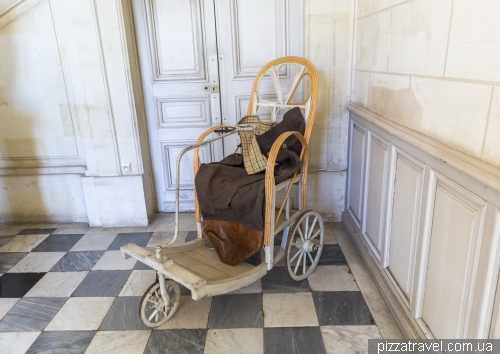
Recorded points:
(269,180)
(196,163)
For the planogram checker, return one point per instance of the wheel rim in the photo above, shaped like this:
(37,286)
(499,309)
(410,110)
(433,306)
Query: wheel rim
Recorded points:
(153,310)
(304,245)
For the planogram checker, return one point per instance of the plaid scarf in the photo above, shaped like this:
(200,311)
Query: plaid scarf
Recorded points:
(253,159)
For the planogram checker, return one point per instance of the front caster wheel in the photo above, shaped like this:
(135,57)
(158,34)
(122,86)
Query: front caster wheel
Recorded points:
(304,245)
(153,310)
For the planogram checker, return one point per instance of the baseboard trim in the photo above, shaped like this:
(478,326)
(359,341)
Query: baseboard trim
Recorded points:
(405,321)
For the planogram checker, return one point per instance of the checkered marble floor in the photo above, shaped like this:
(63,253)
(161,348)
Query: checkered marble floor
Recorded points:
(66,289)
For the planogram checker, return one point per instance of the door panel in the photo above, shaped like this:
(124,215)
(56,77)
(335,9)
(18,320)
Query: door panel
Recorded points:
(176,41)
(197,72)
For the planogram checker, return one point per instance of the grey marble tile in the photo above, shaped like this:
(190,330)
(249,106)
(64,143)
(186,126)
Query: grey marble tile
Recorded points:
(5,239)
(278,281)
(62,342)
(383,317)
(102,283)
(37,231)
(139,238)
(10,259)
(123,315)
(341,308)
(141,266)
(191,235)
(6,304)
(332,254)
(236,311)
(178,341)
(58,243)
(293,340)
(77,261)
(30,315)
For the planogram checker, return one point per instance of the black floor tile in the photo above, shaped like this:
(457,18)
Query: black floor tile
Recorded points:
(277,280)
(10,259)
(5,239)
(141,266)
(255,259)
(31,314)
(236,311)
(102,283)
(180,341)
(77,261)
(18,284)
(341,308)
(139,238)
(37,231)
(191,236)
(58,243)
(123,315)
(332,255)
(75,342)
(293,340)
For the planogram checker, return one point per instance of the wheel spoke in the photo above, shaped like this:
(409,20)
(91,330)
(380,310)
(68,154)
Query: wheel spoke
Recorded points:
(300,233)
(310,257)
(298,263)
(307,227)
(304,265)
(312,227)
(315,234)
(295,256)
(150,307)
(153,315)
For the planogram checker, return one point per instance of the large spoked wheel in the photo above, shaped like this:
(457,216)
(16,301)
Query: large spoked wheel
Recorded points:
(304,245)
(153,310)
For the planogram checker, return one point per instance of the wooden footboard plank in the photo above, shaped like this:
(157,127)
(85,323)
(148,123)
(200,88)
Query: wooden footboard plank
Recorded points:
(211,257)
(206,271)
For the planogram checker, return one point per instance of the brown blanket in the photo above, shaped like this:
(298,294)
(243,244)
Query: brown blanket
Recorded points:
(231,201)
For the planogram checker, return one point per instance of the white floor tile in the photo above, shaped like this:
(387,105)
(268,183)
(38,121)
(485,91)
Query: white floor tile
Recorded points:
(240,340)
(113,260)
(16,342)
(190,314)
(81,314)
(57,284)
(94,242)
(37,262)
(23,243)
(332,278)
(348,339)
(123,342)
(138,282)
(6,304)
(9,232)
(289,310)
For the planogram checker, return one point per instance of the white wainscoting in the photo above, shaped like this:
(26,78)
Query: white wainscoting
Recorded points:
(428,228)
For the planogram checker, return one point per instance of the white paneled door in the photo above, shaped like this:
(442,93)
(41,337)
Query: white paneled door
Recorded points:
(198,59)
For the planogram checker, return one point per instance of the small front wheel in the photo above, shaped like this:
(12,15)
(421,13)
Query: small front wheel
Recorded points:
(304,245)
(153,310)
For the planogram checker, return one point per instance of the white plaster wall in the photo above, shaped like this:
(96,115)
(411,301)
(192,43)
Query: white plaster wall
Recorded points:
(42,198)
(432,66)
(69,109)
(328,43)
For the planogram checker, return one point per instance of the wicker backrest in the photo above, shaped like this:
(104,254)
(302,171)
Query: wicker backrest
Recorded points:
(303,68)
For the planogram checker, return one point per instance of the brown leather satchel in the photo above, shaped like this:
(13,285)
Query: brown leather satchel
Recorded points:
(233,242)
